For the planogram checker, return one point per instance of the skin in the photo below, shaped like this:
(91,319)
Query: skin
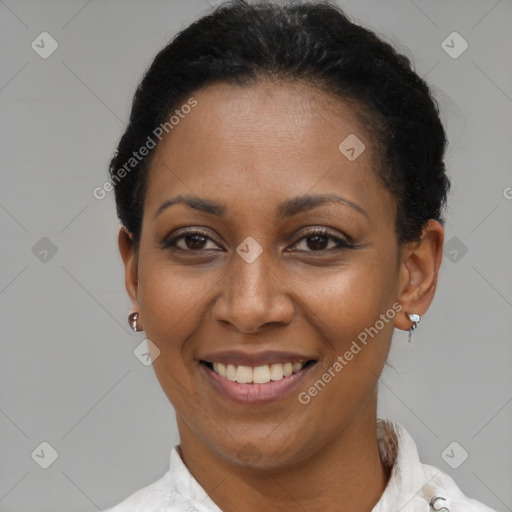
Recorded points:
(251,149)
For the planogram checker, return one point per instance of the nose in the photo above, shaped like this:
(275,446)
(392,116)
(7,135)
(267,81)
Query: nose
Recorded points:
(253,295)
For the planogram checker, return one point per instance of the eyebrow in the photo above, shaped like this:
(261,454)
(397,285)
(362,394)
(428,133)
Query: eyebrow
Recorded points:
(288,208)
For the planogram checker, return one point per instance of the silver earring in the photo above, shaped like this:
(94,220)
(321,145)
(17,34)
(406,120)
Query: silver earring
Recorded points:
(132,321)
(415,320)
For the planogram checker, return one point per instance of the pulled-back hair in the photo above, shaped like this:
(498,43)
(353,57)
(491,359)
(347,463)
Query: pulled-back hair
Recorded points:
(243,43)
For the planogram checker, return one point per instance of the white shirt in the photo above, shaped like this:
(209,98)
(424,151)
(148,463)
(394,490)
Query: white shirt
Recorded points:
(412,487)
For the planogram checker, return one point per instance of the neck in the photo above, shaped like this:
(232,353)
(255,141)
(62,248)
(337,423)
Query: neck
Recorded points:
(347,473)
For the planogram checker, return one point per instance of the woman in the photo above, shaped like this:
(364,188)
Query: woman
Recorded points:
(281,189)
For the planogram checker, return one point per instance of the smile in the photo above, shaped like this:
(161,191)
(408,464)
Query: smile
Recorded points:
(262,383)
(256,375)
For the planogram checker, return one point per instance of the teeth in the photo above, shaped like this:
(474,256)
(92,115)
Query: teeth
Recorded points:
(230,372)
(296,367)
(256,375)
(276,371)
(221,369)
(244,374)
(261,374)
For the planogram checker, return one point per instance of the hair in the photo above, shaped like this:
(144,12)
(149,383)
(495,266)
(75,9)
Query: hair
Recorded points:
(244,43)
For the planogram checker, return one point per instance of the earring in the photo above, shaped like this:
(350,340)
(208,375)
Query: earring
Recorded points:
(415,320)
(132,321)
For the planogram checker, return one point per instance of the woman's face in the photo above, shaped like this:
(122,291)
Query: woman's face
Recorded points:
(255,287)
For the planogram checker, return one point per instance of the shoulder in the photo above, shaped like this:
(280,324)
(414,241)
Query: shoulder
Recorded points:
(442,489)
(151,498)
(413,485)
(175,491)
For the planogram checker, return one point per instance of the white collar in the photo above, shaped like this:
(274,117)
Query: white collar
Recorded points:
(409,487)
(412,486)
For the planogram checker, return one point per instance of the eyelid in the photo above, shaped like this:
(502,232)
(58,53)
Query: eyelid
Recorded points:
(169,241)
(327,232)
(342,241)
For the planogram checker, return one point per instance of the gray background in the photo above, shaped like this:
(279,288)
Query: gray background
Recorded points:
(67,369)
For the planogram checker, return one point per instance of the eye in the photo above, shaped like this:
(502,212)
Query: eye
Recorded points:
(317,239)
(192,241)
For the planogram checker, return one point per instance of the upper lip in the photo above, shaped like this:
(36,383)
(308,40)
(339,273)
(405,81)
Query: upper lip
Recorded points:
(238,357)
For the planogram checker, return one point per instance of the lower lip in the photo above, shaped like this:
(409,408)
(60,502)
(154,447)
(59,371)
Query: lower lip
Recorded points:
(255,393)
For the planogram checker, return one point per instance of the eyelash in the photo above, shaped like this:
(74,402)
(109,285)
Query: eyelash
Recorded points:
(341,244)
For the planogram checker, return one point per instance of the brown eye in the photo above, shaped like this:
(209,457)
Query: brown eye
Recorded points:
(192,241)
(318,240)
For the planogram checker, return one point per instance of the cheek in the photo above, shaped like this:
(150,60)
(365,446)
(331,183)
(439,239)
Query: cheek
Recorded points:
(171,298)
(341,303)
(355,315)
(347,302)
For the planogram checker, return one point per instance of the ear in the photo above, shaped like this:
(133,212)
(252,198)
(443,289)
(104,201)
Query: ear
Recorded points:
(126,248)
(419,270)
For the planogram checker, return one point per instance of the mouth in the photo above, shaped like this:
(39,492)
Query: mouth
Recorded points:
(257,374)
(255,384)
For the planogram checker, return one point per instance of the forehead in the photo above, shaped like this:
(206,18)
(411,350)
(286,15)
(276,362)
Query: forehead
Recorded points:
(265,141)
